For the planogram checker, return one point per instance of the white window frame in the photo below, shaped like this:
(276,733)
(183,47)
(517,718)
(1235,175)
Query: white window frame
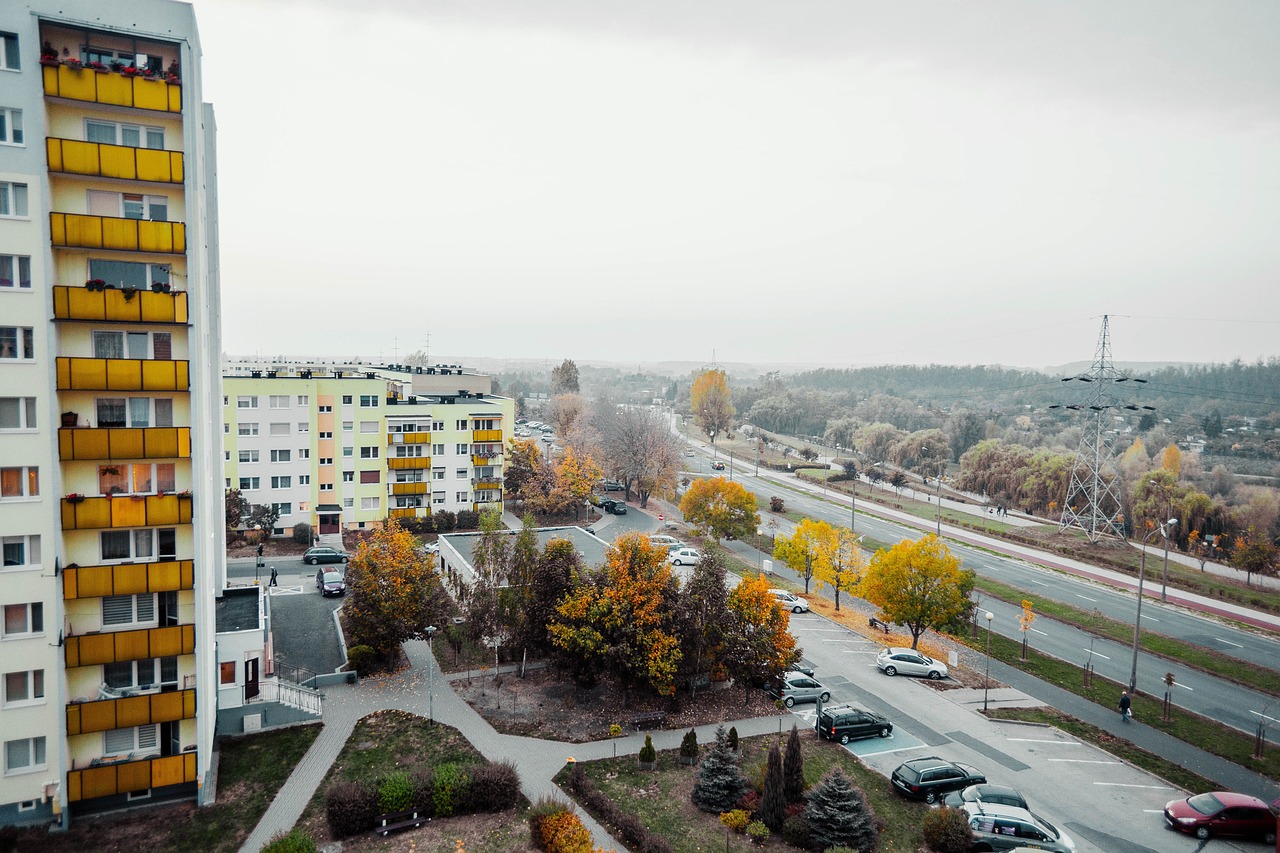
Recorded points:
(278,401)
(34,612)
(33,690)
(437,450)
(246,429)
(37,756)
(137,603)
(151,470)
(348,503)
(408,451)
(304,400)
(462,497)
(348,476)
(369,452)
(130,406)
(463,449)
(370,427)
(278,429)
(368,401)
(118,129)
(30,545)
(324,410)
(25,477)
(278,456)
(326,487)
(253,484)
(324,436)
(247,401)
(348,452)
(304,479)
(15,269)
(304,427)
(283,509)
(136,739)
(247,457)
(10,58)
(372,503)
(11,127)
(144,545)
(28,415)
(149,337)
(348,426)
(24,341)
(346,399)
(15,200)
(282,482)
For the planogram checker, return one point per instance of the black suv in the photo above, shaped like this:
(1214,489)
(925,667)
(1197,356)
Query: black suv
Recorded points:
(845,723)
(930,778)
(613,506)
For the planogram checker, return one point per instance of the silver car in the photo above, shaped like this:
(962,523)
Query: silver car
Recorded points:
(999,827)
(797,687)
(910,662)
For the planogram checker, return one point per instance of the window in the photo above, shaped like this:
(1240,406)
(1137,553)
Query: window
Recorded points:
(23,687)
(279,429)
(407,450)
(248,456)
(437,473)
(18,413)
(226,428)
(280,455)
(246,402)
(281,482)
(303,400)
(404,501)
(370,477)
(326,460)
(143,478)
(347,426)
(136,739)
(9,58)
(325,435)
(368,401)
(370,426)
(410,476)
(461,473)
(462,424)
(462,450)
(13,199)
(146,345)
(437,497)
(129,273)
(437,450)
(304,427)
(23,619)
(304,453)
(24,756)
(348,503)
(283,509)
(279,401)
(437,425)
(304,480)
(347,452)
(134,411)
(15,271)
(139,544)
(368,453)
(248,483)
(346,399)
(129,609)
(20,552)
(348,476)
(153,208)
(247,429)
(19,483)
(130,135)
(324,409)
(227,673)
(10,126)
(146,674)
(17,342)
(370,503)
(461,497)
(326,487)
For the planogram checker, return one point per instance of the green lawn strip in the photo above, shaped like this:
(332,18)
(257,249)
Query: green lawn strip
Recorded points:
(660,798)
(1212,737)
(1188,654)
(1118,747)
(254,768)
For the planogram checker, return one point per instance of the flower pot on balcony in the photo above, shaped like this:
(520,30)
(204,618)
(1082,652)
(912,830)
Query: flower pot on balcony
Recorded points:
(74,498)
(70,419)
(160,287)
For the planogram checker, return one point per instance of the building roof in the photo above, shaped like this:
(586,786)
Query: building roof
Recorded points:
(590,548)
(238,609)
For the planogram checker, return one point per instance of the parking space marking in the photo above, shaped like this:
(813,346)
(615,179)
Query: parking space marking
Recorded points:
(886,751)
(1124,785)
(1033,740)
(285,590)
(1082,761)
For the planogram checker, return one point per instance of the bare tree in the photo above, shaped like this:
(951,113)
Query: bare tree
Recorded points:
(640,450)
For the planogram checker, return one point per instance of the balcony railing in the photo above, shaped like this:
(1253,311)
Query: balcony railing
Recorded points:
(410,512)
(124,443)
(86,231)
(120,646)
(107,714)
(408,438)
(482,459)
(125,511)
(486,435)
(120,90)
(407,488)
(488,482)
(109,779)
(112,306)
(121,374)
(399,463)
(128,579)
(104,160)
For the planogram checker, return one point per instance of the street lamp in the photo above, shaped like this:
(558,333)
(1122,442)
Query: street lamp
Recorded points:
(986,682)
(1137,622)
(1164,577)
(431,668)
(941,466)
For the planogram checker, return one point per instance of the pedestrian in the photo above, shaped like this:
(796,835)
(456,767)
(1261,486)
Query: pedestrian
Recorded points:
(273,576)
(259,549)
(1125,713)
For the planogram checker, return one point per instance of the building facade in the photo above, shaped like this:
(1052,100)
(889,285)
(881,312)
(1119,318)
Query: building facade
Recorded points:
(110,506)
(341,448)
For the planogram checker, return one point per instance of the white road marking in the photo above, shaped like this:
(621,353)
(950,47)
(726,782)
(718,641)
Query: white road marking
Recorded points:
(1097,654)
(1229,643)
(1123,785)
(1041,633)
(1150,619)
(891,751)
(1082,761)
(1033,740)
(1086,598)
(285,590)
(1183,686)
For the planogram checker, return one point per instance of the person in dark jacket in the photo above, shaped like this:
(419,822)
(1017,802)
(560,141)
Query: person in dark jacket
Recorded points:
(1125,702)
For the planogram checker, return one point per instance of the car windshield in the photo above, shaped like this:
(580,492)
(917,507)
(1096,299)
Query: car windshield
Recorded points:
(1205,803)
(332,577)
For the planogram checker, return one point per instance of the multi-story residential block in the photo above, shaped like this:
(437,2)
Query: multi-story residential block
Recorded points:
(344,447)
(110,507)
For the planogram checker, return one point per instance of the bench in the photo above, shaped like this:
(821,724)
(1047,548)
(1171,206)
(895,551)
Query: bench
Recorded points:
(651,719)
(385,824)
(876,623)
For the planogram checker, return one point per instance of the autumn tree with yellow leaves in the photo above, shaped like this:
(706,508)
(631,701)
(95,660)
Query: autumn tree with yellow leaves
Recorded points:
(757,644)
(712,403)
(918,584)
(721,508)
(800,550)
(840,563)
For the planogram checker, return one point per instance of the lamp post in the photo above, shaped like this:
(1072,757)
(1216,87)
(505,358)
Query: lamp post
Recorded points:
(1164,578)
(941,465)
(730,466)
(986,681)
(1137,621)
(431,668)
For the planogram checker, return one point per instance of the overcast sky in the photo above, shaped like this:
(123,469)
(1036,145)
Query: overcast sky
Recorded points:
(845,182)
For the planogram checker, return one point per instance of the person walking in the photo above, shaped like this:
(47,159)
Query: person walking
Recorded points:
(1125,702)
(273,576)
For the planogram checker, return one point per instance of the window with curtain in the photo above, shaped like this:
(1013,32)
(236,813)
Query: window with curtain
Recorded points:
(164,412)
(142,544)
(108,345)
(139,412)
(110,411)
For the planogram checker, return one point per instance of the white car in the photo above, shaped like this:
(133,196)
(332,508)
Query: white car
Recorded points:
(910,662)
(790,600)
(684,557)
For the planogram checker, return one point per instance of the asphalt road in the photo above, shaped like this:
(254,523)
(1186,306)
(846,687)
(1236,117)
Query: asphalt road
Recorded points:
(302,624)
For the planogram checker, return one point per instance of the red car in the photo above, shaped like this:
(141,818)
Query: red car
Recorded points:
(1222,813)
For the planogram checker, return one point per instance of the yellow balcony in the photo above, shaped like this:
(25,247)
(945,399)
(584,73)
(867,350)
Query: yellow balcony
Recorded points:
(409,488)
(145,306)
(482,459)
(130,579)
(121,374)
(86,231)
(107,714)
(125,511)
(124,443)
(486,435)
(398,463)
(113,161)
(120,646)
(409,512)
(409,438)
(112,779)
(488,482)
(120,90)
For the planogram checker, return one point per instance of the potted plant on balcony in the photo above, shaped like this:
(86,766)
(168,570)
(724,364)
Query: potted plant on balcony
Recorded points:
(75,498)
(48,56)
(129,293)
(161,287)
(96,66)
(171,73)
(131,71)
(72,62)
(70,419)
(95,284)
(116,65)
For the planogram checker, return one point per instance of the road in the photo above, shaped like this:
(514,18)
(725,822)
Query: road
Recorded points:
(302,628)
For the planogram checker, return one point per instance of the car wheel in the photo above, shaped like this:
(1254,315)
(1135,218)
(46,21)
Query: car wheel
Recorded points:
(844,738)
(678,563)
(311,561)
(931,797)
(797,610)
(789,701)
(1202,832)
(826,697)
(1269,837)
(345,559)
(889,670)
(934,675)
(884,731)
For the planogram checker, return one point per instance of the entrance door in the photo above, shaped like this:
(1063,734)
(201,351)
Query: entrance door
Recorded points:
(251,678)
(329,523)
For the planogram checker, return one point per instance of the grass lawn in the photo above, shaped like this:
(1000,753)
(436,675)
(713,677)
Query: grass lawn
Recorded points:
(660,798)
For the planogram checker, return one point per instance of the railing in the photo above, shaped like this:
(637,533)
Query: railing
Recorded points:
(396,463)
(125,511)
(120,646)
(293,695)
(107,714)
(408,438)
(87,231)
(487,482)
(108,779)
(122,374)
(486,435)
(129,579)
(85,84)
(111,305)
(124,443)
(408,488)
(482,459)
(289,672)
(408,512)
(103,159)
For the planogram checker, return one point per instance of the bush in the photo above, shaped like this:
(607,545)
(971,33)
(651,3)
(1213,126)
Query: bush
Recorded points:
(732,740)
(795,831)
(636,835)
(544,808)
(295,842)
(467,519)
(793,768)
(445,521)
(563,832)
(395,793)
(492,788)
(349,808)
(776,504)
(302,533)
(689,745)
(838,814)
(946,830)
(757,831)
(448,786)
(736,820)
(363,659)
(423,781)
(773,804)
(647,753)
(720,784)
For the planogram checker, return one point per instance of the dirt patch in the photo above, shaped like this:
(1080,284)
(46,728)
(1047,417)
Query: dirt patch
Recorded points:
(276,547)
(541,706)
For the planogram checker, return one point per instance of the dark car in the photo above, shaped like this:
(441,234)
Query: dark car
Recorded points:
(1222,813)
(717,465)
(1001,795)
(845,723)
(323,554)
(330,583)
(931,778)
(613,506)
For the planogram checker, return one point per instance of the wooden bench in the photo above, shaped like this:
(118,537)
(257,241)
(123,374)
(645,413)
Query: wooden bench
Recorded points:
(385,824)
(876,623)
(651,719)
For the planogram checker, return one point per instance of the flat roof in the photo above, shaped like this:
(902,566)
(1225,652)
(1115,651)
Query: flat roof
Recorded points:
(237,609)
(590,548)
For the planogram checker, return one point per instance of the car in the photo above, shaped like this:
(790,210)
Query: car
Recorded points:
(847,722)
(688,451)
(612,506)
(1000,795)
(684,557)
(323,554)
(330,583)
(794,687)
(1001,827)
(932,778)
(910,662)
(717,465)
(1222,813)
(522,420)
(790,600)
(546,429)
(799,667)
(611,485)
(668,543)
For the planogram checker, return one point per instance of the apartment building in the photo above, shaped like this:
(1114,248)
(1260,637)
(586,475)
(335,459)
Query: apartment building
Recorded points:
(110,506)
(344,447)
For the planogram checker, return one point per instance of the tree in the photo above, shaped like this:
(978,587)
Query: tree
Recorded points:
(1254,554)
(711,403)
(487,619)
(838,814)
(576,476)
(237,508)
(793,767)
(262,517)
(800,551)
(640,450)
(1025,619)
(875,440)
(393,592)
(720,783)
(702,615)
(524,467)
(565,411)
(720,507)
(564,379)
(773,803)
(553,577)
(758,644)
(1171,460)
(840,564)
(898,480)
(920,585)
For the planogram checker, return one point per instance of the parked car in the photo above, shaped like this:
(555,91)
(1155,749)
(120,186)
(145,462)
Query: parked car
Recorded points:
(910,662)
(611,485)
(799,667)
(522,420)
(790,600)
(795,687)
(999,795)
(684,557)
(330,583)
(615,507)
(717,465)
(1222,813)
(323,554)
(662,539)
(931,778)
(845,723)
(688,451)
(1000,827)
